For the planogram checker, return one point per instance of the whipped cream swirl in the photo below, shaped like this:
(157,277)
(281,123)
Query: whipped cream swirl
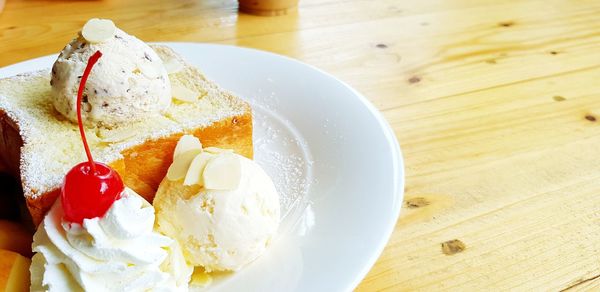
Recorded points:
(117,252)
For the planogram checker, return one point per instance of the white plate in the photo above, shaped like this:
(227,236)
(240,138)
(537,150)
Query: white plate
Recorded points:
(333,157)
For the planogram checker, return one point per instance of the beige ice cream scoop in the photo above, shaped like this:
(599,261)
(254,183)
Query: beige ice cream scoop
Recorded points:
(128,84)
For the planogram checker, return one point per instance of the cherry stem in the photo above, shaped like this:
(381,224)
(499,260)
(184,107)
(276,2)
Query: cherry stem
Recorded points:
(93,59)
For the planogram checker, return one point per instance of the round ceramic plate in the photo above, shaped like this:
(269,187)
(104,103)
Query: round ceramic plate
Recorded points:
(334,159)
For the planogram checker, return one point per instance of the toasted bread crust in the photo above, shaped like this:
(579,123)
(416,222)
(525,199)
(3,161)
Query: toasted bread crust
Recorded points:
(144,166)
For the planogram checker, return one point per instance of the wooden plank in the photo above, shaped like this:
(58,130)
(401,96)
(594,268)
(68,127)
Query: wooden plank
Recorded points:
(589,284)
(512,172)
(54,23)
(446,57)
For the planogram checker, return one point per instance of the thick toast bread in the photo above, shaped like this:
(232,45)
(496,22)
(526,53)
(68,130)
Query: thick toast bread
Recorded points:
(38,146)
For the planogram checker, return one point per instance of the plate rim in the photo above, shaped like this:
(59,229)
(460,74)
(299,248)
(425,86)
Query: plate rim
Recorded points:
(391,139)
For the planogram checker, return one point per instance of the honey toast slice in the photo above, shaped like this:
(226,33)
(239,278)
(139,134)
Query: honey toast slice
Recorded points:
(39,146)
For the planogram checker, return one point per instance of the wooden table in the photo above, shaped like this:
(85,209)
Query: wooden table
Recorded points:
(496,105)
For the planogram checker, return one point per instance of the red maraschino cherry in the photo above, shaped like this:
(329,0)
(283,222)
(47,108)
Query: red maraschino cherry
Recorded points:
(89,188)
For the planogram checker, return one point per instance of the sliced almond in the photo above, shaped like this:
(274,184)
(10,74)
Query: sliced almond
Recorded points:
(115,135)
(185,144)
(98,30)
(183,93)
(173,65)
(194,173)
(223,172)
(149,70)
(181,164)
(216,150)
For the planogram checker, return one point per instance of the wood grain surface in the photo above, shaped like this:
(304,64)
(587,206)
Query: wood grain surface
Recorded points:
(496,105)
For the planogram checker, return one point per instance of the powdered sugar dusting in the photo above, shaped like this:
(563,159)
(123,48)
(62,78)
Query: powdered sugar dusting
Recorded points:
(52,144)
(284,155)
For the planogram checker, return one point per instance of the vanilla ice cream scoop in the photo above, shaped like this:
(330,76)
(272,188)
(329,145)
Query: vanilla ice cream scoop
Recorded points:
(129,83)
(221,207)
